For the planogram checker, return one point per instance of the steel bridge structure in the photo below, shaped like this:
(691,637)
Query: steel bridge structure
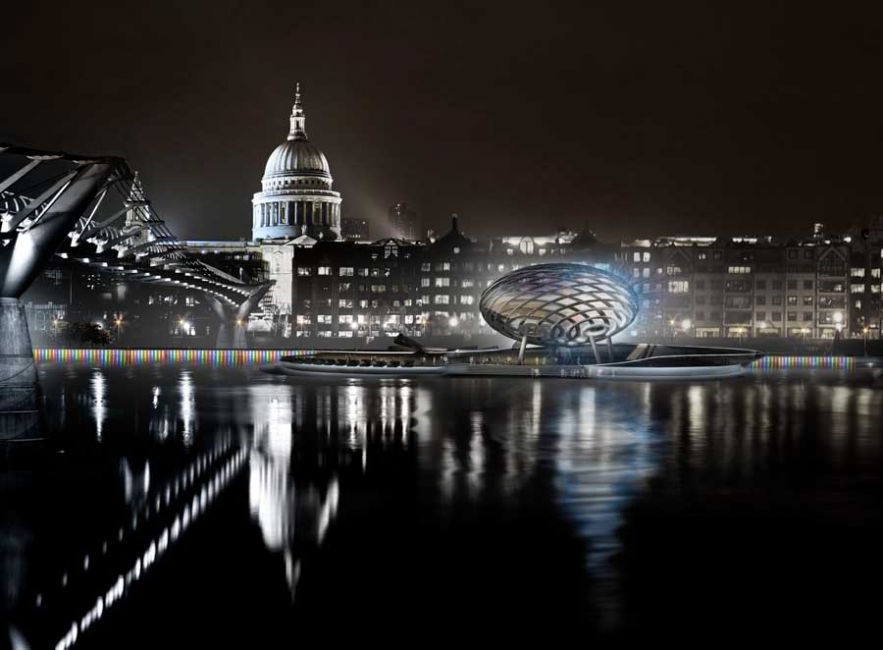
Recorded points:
(93,210)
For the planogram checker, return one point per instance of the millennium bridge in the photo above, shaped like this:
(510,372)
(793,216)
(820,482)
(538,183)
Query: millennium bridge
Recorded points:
(92,210)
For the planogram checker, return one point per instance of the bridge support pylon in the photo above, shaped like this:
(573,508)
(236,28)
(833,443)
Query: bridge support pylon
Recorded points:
(231,331)
(19,417)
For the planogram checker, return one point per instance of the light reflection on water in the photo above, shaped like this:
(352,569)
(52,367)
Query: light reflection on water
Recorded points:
(562,465)
(98,385)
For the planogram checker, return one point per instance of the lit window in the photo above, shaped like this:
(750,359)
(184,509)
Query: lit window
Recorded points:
(678,286)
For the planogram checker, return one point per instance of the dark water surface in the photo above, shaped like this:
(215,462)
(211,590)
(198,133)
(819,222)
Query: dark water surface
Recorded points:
(203,507)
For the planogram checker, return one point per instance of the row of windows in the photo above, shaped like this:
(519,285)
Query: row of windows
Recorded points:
(860,288)
(718,255)
(859,272)
(745,286)
(347,271)
(760,285)
(762,316)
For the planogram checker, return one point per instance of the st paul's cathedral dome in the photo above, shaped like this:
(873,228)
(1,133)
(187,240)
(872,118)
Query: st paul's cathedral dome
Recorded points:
(296,197)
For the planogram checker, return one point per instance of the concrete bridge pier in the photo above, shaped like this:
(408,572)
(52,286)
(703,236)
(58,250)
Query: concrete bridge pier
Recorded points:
(19,416)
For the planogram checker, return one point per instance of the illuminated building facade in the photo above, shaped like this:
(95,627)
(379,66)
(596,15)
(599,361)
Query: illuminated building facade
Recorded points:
(741,287)
(866,260)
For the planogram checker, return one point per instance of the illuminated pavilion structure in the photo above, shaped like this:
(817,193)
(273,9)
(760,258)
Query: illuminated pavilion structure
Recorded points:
(560,304)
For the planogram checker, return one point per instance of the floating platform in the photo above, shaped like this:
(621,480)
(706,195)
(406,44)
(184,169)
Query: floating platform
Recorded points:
(623,361)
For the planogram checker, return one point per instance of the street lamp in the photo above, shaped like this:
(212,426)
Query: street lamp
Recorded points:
(453,321)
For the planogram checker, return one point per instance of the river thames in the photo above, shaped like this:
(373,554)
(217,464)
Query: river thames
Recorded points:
(180,505)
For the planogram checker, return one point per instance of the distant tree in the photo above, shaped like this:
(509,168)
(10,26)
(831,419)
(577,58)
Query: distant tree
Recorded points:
(85,334)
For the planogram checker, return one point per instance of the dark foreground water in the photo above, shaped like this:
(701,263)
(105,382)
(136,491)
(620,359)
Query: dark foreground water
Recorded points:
(200,507)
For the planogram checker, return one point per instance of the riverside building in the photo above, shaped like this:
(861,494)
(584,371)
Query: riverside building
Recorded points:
(744,286)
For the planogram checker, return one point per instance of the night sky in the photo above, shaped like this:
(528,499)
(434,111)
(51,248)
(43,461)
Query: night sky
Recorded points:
(636,118)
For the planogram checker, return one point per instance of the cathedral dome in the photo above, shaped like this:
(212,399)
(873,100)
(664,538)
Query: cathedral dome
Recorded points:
(297,157)
(296,198)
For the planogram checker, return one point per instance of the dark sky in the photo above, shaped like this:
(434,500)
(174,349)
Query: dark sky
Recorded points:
(637,118)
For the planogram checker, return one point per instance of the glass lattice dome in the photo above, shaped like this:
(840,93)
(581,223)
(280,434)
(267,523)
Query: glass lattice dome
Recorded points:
(559,304)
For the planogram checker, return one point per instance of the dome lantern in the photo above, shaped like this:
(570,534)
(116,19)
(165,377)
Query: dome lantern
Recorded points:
(298,119)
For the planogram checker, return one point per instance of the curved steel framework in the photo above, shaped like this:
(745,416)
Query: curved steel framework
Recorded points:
(94,210)
(564,304)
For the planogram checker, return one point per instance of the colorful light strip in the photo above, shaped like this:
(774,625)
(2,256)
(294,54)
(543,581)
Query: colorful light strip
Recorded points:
(229,358)
(775,362)
(136,357)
